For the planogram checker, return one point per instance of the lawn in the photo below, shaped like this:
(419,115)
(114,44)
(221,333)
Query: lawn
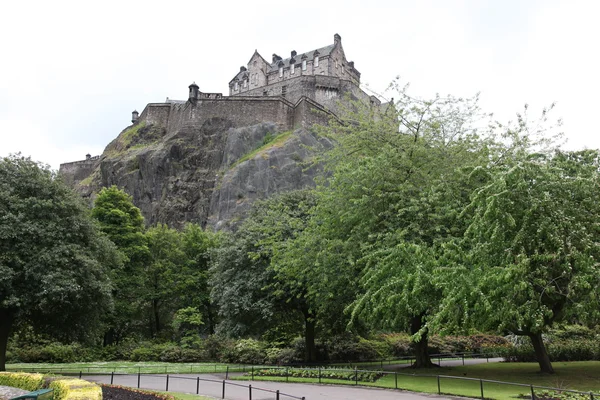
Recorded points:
(126,367)
(582,376)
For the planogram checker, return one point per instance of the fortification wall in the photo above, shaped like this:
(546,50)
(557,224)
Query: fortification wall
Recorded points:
(76,171)
(241,111)
(325,90)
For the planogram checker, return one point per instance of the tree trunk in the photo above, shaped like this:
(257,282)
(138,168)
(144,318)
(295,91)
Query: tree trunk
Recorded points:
(541,353)
(210,318)
(310,354)
(156,315)
(6,321)
(422,359)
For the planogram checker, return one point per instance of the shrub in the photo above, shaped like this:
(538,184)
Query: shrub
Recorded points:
(328,373)
(75,389)
(351,348)
(149,351)
(249,351)
(22,380)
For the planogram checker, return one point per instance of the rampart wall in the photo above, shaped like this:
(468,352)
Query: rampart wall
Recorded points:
(76,171)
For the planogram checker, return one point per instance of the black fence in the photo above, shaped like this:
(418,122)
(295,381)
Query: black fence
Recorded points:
(433,382)
(188,384)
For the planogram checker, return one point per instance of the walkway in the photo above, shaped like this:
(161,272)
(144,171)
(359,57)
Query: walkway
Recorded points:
(238,390)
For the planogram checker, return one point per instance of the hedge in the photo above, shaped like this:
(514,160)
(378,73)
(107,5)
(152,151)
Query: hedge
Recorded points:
(64,388)
(23,381)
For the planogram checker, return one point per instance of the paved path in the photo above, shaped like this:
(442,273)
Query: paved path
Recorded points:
(8,392)
(239,390)
(445,363)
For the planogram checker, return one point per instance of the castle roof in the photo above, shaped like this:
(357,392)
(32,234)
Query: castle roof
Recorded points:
(323,51)
(274,67)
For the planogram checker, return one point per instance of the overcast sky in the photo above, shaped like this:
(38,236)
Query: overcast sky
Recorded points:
(71,72)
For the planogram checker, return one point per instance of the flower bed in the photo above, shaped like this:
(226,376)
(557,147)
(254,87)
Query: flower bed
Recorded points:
(329,373)
(111,392)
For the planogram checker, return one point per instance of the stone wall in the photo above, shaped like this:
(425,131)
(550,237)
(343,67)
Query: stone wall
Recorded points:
(76,171)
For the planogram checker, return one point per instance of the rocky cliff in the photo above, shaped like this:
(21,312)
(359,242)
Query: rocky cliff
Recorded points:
(208,173)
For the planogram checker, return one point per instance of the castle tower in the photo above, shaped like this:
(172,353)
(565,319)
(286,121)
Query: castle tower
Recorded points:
(194,89)
(134,116)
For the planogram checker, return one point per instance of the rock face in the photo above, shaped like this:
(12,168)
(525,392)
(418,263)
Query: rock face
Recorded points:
(208,173)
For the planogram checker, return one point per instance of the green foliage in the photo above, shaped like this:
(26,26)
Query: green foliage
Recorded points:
(21,380)
(53,259)
(325,373)
(122,221)
(269,141)
(75,389)
(531,250)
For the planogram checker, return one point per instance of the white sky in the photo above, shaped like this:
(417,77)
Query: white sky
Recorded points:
(71,72)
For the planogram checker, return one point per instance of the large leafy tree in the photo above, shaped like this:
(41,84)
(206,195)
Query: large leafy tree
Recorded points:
(196,245)
(162,275)
(122,221)
(530,257)
(53,258)
(395,188)
(250,290)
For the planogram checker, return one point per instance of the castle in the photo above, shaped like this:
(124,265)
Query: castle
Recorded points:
(178,158)
(283,90)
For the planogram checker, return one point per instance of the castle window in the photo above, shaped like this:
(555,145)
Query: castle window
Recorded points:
(292,68)
(235,86)
(245,82)
(303,65)
(343,68)
(281,72)
(265,93)
(316,61)
(283,91)
(335,62)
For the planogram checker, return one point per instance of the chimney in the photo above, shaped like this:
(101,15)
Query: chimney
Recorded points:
(337,39)
(88,156)
(242,69)
(351,64)
(276,58)
(294,53)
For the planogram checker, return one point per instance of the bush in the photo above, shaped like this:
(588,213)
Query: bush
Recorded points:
(75,389)
(351,348)
(52,353)
(22,380)
(566,350)
(249,351)
(64,389)
(329,373)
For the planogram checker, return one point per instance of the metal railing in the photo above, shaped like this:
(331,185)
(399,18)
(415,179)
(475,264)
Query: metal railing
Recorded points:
(435,382)
(189,381)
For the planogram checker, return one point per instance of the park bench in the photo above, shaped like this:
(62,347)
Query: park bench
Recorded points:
(42,394)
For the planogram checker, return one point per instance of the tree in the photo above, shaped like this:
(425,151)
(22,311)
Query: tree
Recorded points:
(530,257)
(163,275)
(252,292)
(122,221)
(396,185)
(53,258)
(195,292)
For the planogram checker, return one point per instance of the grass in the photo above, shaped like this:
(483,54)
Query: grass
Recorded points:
(185,396)
(123,367)
(580,375)
(276,141)
(583,376)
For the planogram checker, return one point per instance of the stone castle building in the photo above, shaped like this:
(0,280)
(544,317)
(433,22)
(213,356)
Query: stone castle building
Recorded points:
(180,166)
